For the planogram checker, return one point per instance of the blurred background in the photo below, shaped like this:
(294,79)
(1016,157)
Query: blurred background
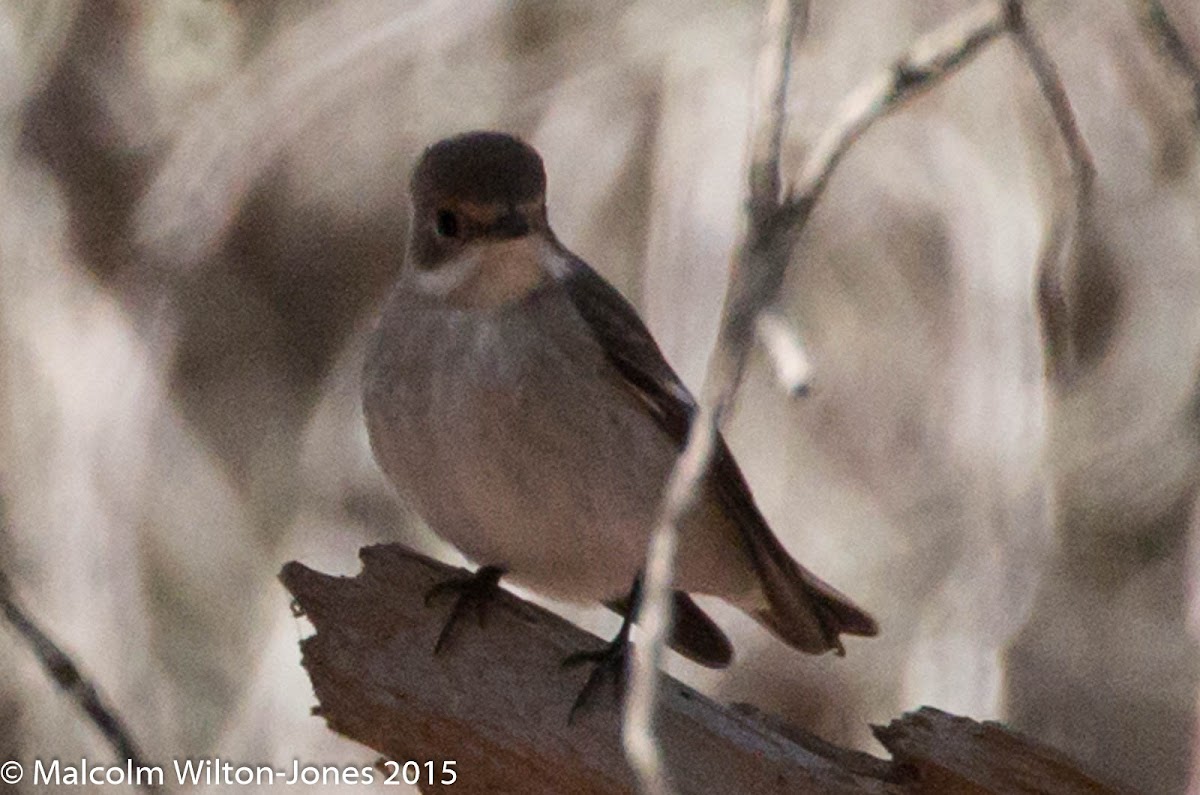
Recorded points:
(202,204)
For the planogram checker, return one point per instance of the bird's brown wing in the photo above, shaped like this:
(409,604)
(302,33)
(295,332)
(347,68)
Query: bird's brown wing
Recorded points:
(802,610)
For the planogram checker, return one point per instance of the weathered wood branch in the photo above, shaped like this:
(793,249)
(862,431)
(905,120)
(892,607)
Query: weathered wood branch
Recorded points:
(496,703)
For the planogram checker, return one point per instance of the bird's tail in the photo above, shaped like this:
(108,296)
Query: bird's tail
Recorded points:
(801,609)
(809,614)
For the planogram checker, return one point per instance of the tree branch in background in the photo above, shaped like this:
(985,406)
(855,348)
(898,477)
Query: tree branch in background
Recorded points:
(1157,22)
(932,58)
(1071,221)
(66,675)
(496,704)
(774,224)
(1083,170)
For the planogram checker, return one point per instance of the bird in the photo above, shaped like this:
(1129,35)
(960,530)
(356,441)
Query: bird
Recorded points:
(518,402)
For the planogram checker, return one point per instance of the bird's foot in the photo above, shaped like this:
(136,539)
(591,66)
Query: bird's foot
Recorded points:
(608,666)
(474,593)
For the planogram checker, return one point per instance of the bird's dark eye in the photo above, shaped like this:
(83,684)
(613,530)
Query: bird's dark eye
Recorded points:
(446,224)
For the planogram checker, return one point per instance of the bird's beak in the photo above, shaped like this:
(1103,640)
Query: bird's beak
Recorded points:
(510,225)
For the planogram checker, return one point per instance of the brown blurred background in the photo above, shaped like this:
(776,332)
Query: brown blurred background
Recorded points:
(202,203)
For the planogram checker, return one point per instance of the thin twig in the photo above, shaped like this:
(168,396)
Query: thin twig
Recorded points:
(1158,23)
(1050,82)
(771,85)
(654,617)
(66,675)
(782,343)
(933,57)
(773,226)
(641,747)
(1072,217)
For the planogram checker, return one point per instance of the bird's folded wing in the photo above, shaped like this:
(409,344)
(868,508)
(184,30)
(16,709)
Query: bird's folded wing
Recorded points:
(803,610)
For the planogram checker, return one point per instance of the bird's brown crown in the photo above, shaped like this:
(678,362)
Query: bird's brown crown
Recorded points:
(478,188)
(479,168)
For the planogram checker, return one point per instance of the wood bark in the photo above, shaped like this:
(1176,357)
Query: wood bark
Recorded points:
(496,702)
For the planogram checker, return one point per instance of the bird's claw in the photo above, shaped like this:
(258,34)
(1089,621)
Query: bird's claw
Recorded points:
(474,593)
(608,664)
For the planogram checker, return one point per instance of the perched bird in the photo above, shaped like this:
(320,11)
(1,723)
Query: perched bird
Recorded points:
(517,400)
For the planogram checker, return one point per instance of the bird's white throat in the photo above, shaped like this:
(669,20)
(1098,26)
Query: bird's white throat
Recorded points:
(491,273)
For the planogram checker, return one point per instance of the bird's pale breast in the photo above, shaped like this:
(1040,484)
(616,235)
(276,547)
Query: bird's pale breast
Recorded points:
(509,431)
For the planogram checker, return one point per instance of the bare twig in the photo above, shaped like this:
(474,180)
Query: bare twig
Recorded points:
(770,102)
(773,225)
(1072,217)
(771,82)
(1051,85)
(1157,22)
(932,58)
(782,343)
(67,676)
(639,736)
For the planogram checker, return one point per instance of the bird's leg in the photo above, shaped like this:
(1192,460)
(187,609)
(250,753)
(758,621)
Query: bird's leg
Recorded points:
(474,593)
(608,663)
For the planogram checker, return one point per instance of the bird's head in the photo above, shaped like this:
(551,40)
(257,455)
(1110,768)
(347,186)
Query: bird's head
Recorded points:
(474,191)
